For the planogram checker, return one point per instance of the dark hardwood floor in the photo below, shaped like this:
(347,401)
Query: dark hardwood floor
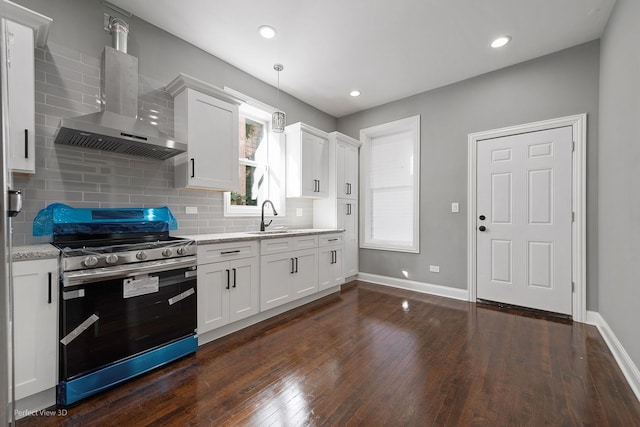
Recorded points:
(361,359)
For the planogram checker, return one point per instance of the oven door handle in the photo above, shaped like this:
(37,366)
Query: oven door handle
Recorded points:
(83,277)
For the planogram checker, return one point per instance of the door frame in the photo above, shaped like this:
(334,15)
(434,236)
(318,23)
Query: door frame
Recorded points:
(578,203)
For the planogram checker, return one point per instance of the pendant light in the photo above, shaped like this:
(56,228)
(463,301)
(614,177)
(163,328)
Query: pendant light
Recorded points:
(278,118)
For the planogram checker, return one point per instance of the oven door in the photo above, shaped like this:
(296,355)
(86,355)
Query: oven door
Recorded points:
(111,314)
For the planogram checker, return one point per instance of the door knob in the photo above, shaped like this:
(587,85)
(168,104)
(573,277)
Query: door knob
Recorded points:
(482,217)
(482,228)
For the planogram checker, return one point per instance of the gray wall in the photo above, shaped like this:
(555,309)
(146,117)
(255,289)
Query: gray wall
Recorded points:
(68,73)
(556,85)
(619,180)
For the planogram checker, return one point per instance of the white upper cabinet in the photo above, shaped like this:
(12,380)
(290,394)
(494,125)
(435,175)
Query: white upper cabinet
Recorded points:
(21,30)
(206,119)
(307,162)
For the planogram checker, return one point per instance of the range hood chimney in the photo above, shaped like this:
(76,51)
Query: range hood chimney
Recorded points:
(117,128)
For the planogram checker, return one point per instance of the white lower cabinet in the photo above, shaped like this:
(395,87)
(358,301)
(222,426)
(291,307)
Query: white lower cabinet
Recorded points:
(228,291)
(330,261)
(287,275)
(35,285)
(305,277)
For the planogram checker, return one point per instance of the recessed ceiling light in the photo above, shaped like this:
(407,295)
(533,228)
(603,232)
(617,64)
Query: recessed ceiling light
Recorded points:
(267,31)
(354,93)
(500,41)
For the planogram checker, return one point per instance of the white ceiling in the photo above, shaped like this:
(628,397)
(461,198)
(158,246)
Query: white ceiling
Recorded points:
(387,49)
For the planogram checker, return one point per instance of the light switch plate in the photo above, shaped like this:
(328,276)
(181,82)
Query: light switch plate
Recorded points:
(298,211)
(434,268)
(455,207)
(192,210)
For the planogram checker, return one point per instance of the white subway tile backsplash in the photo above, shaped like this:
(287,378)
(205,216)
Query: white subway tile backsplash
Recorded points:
(75,65)
(71,186)
(67,85)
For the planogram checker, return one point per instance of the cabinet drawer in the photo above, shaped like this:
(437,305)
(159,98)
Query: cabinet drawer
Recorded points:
(276,246)
(305,242)
(226,251)
(286,244)
(331,239)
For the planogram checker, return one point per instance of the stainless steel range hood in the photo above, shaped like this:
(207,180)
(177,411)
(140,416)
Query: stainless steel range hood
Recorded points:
(117,128)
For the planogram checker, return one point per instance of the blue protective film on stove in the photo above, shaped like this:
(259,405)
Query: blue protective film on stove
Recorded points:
(59,219)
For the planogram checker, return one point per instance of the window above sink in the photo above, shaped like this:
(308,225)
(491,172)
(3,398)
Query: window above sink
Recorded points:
(261,162)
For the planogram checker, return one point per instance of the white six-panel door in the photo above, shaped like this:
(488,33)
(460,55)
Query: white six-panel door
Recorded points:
(524,241)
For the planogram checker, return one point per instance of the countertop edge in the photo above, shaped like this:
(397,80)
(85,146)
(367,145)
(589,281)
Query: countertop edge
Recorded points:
(34,252)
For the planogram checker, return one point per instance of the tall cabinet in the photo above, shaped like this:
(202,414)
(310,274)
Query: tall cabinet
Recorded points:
(340,208)
(21,30)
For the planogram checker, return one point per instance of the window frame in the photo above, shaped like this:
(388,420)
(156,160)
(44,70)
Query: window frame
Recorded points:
(257,110)
(410,125)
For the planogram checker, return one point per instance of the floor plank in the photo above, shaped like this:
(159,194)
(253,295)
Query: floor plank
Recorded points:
(361,359)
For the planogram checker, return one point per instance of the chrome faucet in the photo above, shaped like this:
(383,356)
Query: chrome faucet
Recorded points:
(262,224)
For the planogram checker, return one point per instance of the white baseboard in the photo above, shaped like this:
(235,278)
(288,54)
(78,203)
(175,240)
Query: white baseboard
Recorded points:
(411,285)
(629,369)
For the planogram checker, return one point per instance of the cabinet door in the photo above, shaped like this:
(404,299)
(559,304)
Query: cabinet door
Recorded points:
(308,168)
(244,297)
(275,280)
(305,277)
(348,220)
(330,267)
(325,265)
(35,285)
(213,143)
(321,165)
(341,178)
(350,185)
(337,269)
(21,97)
(213,296)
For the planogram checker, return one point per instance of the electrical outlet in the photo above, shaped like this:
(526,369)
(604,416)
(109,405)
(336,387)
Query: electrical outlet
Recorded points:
(192,210)
(298,211)
(455,207)
(434,268)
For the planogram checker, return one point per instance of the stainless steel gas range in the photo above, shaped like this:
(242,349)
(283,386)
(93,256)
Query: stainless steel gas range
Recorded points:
(128,294)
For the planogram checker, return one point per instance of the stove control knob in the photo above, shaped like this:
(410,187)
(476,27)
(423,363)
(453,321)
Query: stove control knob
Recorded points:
(141,255)
(182,250)
(167,252)
(111,259)
(90,261)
